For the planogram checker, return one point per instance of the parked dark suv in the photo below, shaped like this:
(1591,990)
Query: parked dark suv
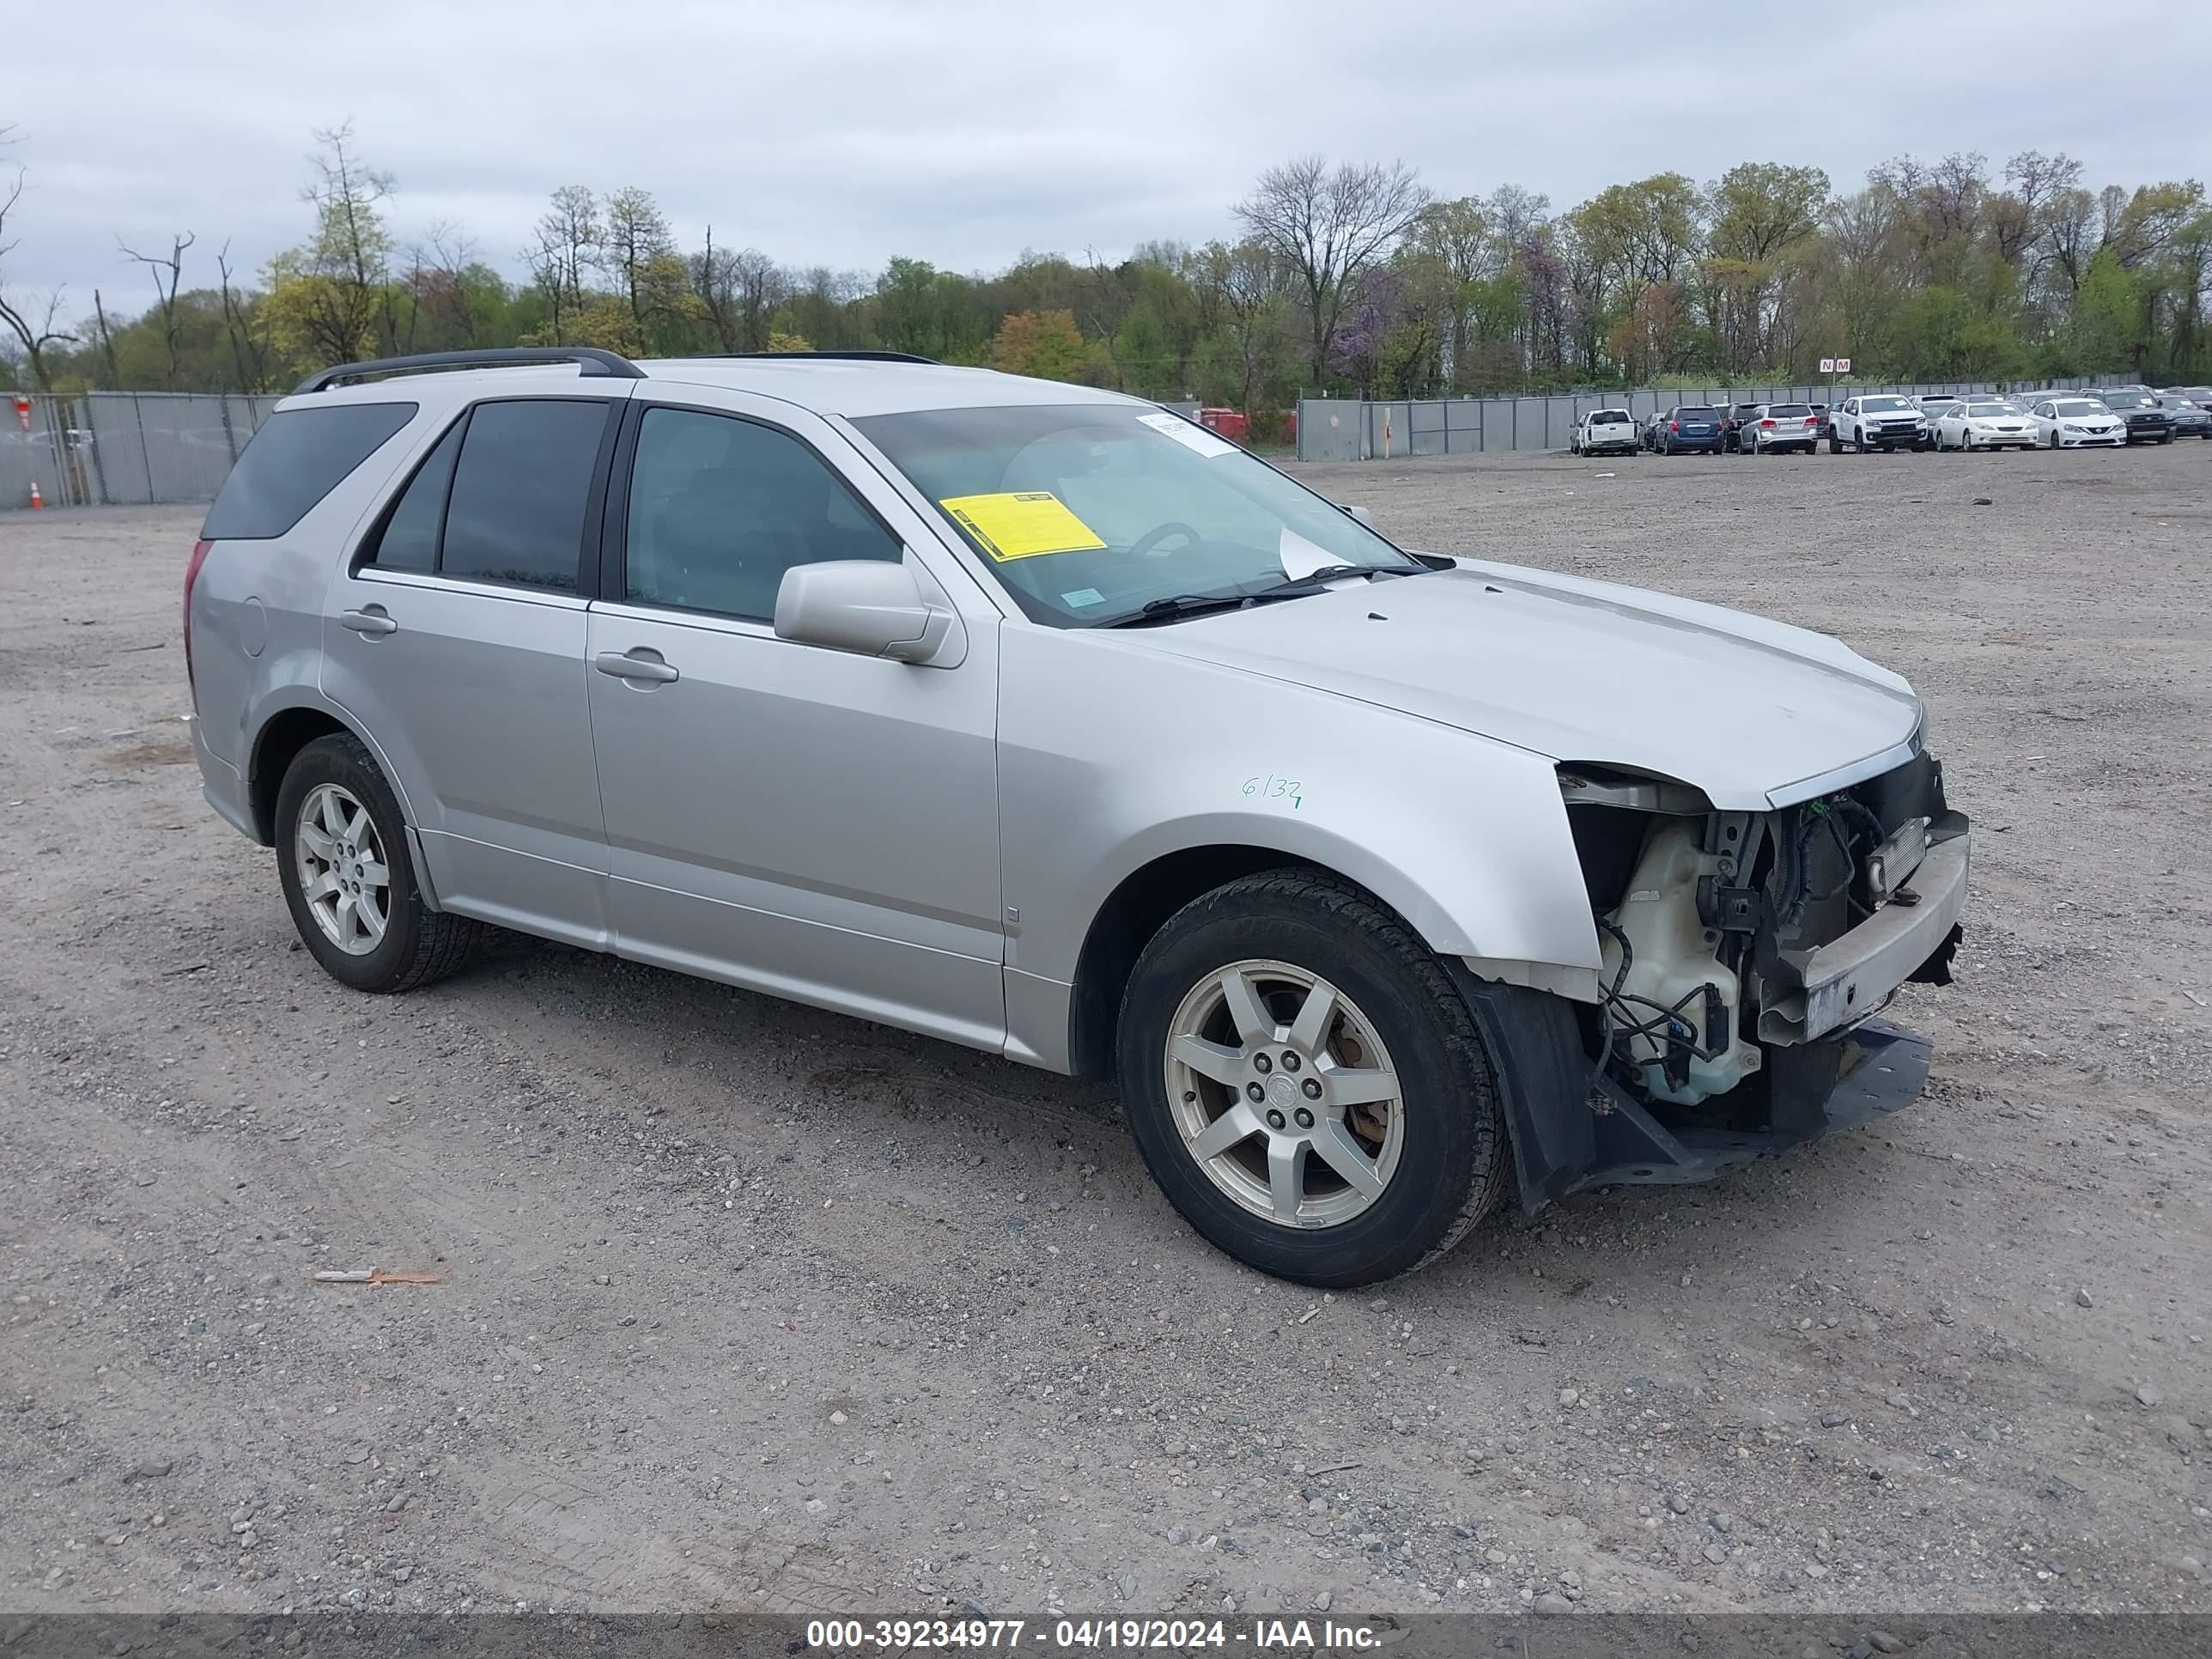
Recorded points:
(1732,419)
(2148,420)
(1689,429)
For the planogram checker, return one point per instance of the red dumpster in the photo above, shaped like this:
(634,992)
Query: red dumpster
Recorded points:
(1228,422)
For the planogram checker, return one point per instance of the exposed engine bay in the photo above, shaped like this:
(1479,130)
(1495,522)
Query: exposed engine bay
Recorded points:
(1740,948)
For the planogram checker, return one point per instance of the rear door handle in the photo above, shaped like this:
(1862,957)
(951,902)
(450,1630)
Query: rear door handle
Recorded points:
(371,619)
(639,665)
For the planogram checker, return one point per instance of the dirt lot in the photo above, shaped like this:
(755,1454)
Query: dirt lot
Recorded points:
(749,1306)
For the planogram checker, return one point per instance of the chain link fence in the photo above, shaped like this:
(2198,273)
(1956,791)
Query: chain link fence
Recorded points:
(124,448)
(1354,429)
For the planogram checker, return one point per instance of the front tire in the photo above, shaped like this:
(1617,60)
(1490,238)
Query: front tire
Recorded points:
(1307,1086)
(348,878)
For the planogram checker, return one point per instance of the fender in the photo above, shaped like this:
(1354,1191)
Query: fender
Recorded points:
(1121,763)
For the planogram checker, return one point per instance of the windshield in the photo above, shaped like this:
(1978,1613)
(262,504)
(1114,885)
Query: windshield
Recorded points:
(2082,406)
(1087,513)
(1788,412)
(1882,405)
(1990,411)
(2128,400)
(1696,412)
(1597,414)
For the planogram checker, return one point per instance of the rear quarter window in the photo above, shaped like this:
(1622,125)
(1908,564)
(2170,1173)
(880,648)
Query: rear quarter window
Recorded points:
(296,457)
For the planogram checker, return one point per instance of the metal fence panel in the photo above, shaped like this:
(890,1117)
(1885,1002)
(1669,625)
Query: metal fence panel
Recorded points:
(40,453)
(188,445)
(1330,429)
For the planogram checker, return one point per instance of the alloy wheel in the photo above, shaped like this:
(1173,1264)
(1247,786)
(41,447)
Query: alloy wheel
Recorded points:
(343,874)
(1285,1094)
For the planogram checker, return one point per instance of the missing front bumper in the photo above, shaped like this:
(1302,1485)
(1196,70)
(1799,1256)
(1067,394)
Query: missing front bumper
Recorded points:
(1881,1068)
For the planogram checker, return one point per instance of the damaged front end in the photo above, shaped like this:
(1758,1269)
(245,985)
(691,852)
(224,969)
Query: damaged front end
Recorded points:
(1745,955)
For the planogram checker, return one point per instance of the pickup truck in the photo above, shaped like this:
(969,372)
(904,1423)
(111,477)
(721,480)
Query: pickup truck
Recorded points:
(1604,432)
(1876,420)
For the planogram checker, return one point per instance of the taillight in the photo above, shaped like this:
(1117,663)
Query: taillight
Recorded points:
(1766,424)
(1674,426)
(192,574)
(1811,420)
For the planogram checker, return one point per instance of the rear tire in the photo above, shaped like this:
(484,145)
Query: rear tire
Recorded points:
(338,821)
(1419,1092)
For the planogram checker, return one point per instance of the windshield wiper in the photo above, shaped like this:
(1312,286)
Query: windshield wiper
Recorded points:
(1178,604)
(1329,572)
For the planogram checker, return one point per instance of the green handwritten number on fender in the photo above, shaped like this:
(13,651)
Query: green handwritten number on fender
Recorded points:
(1272,787)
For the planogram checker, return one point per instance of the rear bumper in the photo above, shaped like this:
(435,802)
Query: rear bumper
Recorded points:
(222,785)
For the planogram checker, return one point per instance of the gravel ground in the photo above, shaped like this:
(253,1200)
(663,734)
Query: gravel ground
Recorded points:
(747,1306)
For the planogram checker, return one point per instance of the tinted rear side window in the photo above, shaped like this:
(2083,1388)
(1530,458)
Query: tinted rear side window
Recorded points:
(520,490)
(298,457)
(409,541)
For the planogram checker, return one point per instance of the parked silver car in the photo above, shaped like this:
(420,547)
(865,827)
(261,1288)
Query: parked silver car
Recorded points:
(1389,885)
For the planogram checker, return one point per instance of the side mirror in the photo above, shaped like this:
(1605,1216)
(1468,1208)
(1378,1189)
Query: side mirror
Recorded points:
(868,606)
(1358,513)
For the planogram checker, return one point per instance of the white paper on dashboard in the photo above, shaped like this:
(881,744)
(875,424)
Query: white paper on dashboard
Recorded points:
(1300,557)
(1190,437)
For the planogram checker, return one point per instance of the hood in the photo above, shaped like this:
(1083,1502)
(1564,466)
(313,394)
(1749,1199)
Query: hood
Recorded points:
(1747,710)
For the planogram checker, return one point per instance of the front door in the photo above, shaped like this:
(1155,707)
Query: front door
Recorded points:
(803,821)
(455,638)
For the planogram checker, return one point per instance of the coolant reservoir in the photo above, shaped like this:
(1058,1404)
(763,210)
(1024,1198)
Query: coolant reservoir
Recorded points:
(1669,960)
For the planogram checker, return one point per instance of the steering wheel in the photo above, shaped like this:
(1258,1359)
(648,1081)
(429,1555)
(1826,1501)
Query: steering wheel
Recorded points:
(1147,545)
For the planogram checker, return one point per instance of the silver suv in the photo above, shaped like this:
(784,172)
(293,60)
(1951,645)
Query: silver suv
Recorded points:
(1042,720)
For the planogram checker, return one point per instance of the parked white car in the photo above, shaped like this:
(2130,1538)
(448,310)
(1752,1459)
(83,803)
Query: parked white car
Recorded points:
(1604,432)
(1876,420)
(1994,424)
(2077,424)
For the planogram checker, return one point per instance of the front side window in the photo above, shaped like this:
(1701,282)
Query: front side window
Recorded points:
(1087,513)
(720,508)
(521,489)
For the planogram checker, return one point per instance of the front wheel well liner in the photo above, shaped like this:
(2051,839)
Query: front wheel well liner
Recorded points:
(1135,911)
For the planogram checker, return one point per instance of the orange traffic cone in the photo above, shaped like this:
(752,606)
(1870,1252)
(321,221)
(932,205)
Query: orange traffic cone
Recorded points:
(37,500)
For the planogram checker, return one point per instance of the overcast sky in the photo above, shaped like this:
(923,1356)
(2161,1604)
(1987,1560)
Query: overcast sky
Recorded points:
(843,131)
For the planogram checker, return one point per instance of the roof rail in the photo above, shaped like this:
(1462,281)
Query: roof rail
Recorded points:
(848,356)
(589,359)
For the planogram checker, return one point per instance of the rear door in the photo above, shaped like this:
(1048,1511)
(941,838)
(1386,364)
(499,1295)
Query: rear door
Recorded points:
(803,821)
(456,638)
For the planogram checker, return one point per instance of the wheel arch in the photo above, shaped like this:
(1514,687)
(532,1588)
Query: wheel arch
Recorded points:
(278,740)
(1136,910)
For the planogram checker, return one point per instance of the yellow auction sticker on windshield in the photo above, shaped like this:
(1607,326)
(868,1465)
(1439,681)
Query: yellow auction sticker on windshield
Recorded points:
(1020,524)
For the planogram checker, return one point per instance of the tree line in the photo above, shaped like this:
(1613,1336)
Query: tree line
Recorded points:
(1345,277)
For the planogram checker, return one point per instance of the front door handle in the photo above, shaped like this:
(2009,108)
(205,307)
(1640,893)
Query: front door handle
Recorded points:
(370,620)
(639,665)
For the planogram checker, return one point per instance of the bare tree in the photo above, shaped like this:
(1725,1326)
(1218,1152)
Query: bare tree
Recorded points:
(352,247)
(739,289)
(168,273)
(106,338)
(33,336)
(1329,225)
(715,284)
(568,236)
(634,234)
(248,353)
